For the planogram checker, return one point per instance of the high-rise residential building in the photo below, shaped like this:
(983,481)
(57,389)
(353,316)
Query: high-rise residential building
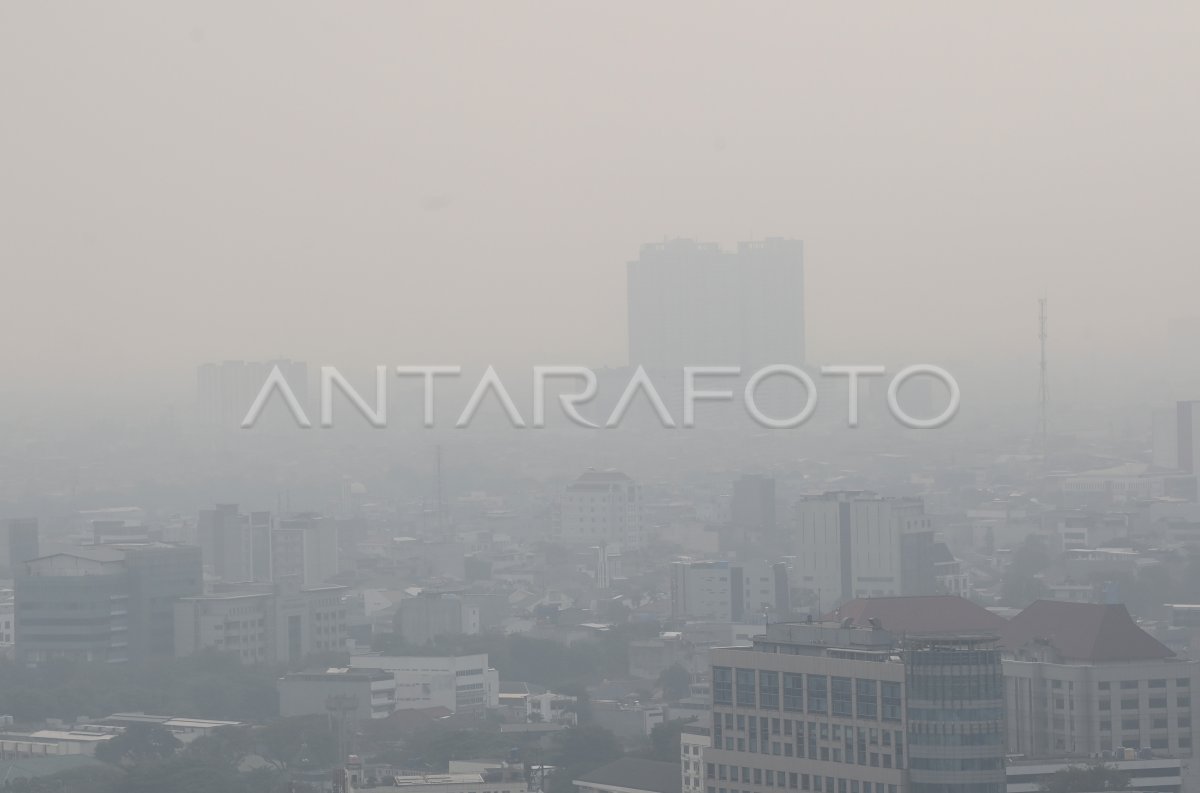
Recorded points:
(752,511)
(225,391)
(821,707)
(852,544)
(722,591)
(235,547)
(693,304)
(1083,679)
(602,508)
(103,603)
(305,546)
(18,543)
(1176,444)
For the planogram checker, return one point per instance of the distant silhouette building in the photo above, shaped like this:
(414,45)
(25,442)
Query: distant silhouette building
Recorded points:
(693,304)
(236,547)
(18,543)
(753,507)
(722,591)
(305,546)
(602,507)
(853,544)
(225,391)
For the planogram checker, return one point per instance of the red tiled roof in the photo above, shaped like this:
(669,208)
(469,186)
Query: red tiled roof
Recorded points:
(921,614)
(1083,632)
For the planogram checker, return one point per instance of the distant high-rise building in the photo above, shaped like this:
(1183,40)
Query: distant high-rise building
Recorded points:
(602,507)
(236,547)
(859,544)
(725,592)
(304,547)
(18,543)
(753,507)
(225,391)
(693,304)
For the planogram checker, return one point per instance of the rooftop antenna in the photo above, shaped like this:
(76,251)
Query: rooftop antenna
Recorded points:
(1043,386)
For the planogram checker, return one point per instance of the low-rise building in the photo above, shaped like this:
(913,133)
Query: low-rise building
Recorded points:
(462,683)
(368,693)
(631,775)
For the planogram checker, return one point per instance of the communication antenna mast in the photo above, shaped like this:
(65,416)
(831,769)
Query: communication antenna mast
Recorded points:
(1043,387)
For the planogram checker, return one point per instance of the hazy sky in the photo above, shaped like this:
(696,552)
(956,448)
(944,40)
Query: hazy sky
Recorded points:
(401,182)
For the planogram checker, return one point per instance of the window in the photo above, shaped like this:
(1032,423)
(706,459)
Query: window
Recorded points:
(866,699)
(1183,702)
(891,701)
(840,697)
(1183,682)
(1158,702)
(745,688)
(722,685)
(1129,704)
(1129,684)
(1157,684)
(768,690)
(793,692)
(1105,686)
(818,693)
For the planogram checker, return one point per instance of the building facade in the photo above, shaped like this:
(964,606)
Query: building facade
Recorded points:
(820,707)
(602,508)
(853,544)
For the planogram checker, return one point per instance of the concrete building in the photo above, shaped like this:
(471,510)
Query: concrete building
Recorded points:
(1083,679)
(602,508)
(264,623)
(692,304)
(829,708)
(722,591)
(853,544)
(1156,775)
(240,623)
(103,603)
(18,543)
(693,742)
(631,775)
(752,509)
(305,546)
(462,683)
(358,778)
(235,547)
(365,693)
(421,619)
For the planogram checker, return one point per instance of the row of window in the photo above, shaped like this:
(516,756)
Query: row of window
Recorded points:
(819,784)
(1132,703)
(1129,685)
(862,698)
(852,745)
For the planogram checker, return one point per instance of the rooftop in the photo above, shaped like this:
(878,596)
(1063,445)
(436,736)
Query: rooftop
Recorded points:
(634,773)
(1083,632)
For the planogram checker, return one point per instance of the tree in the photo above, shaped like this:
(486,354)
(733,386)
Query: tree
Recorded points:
(675,682)
(1086,779)
(298,741)
(1020,585)
(665,739)
(139,744)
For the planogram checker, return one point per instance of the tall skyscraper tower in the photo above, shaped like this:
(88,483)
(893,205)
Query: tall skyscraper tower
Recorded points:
(693,304)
